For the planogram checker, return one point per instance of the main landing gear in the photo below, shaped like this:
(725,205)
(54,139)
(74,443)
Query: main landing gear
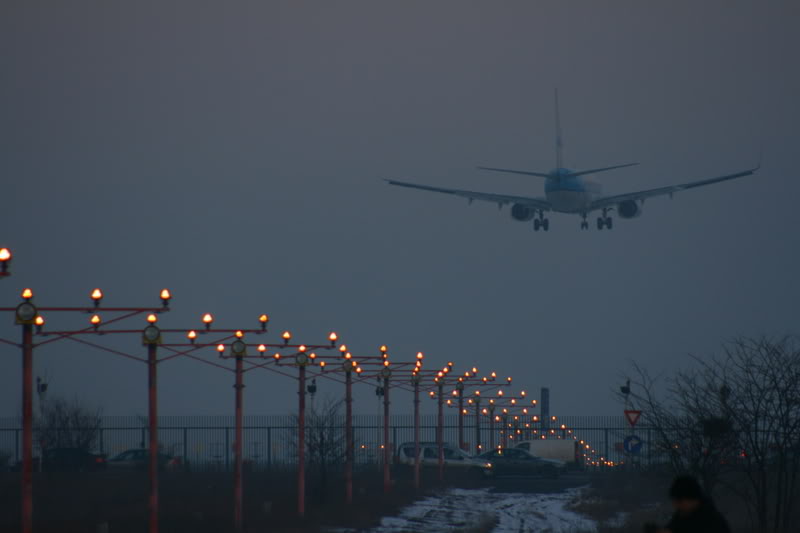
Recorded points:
(541,223)
(605,221)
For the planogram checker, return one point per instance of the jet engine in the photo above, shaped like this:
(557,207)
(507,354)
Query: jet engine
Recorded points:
(629,209)
(523,213)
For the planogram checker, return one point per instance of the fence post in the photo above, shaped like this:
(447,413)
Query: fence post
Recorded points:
(269,447)
(227,449)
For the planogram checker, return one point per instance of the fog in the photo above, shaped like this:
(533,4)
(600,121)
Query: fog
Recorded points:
(235,153)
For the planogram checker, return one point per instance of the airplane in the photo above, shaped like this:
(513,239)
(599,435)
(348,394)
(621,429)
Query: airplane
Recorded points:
(568,191)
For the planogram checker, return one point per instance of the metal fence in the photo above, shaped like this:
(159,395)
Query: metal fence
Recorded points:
(270,441)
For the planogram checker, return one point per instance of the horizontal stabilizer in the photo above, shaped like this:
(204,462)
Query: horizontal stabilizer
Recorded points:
(523,172)
(604,169)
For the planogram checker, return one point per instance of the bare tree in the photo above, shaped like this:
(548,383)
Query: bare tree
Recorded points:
(67,424)
(325,440)
(734,419)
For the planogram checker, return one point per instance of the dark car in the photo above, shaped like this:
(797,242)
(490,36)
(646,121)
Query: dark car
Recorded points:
(139,459)
(516,462)
(67,460)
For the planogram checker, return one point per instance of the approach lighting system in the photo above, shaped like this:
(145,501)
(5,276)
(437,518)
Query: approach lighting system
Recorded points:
(151,335)
(26,312)
(5,259)
(166,296)
(238,348)
(97,297)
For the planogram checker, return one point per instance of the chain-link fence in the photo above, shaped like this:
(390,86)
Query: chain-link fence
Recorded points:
(270,441)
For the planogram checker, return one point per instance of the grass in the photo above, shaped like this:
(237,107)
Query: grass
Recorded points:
(202,502)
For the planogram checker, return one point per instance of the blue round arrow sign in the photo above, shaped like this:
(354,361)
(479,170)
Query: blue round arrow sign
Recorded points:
(632,445)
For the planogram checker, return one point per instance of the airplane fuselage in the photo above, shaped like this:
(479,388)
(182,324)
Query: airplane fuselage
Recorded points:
(570,194)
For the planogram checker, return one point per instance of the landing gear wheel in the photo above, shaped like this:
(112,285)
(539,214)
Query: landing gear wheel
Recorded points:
(536,224)
(546,224)
(600,223)
(609,222)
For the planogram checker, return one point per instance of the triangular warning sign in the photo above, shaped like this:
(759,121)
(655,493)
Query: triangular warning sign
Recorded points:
(632,416)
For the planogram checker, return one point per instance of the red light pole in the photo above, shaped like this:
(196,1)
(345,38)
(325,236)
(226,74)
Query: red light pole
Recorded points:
(152,416)
(386,374)
(440,429)
(384,377)
(415,379)
(27,420)
(238,352)
(491,424)
(477,402)
(460,392)
(471,379)
(238,348)
(383,374)
(301,359)
(27,315)
(301,438)
(348,400)
(152,338)
(505,403)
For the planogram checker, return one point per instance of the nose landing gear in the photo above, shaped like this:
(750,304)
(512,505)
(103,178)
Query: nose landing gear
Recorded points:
(584,224)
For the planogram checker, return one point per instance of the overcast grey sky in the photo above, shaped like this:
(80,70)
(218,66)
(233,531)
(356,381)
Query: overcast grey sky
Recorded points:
(234,151)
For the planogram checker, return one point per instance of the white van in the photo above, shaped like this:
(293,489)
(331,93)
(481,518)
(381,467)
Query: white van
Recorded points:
(453,457)
(560,450)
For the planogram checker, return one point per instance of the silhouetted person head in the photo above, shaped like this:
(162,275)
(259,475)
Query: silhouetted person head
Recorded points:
(694,510)
(686,494)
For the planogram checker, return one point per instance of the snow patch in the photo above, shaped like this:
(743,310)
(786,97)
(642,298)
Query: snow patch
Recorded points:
(461,509)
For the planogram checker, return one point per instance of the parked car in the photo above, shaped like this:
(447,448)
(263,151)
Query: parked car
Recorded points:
(517,462)
(66,460)
(139,459)
(453,457)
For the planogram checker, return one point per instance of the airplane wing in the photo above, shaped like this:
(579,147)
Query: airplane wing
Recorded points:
(499,199)
(610,201)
